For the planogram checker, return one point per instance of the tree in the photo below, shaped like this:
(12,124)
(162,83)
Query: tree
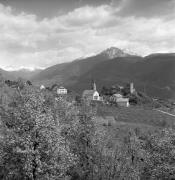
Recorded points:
(160,155)
(31,145)
(29,83)
(126,90)
(20,83)
(78,130)
(105,91)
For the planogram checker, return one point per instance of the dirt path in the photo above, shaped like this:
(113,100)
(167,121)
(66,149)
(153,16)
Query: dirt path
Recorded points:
(172,115)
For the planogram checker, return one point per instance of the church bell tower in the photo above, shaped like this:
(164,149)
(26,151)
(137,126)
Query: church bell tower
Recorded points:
(94,87)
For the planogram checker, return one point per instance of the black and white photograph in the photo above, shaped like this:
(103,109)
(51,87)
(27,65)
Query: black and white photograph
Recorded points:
(87,89)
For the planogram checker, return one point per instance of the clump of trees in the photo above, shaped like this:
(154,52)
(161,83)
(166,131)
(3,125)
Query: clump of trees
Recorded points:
(31,144)
(109,91)
(20,83)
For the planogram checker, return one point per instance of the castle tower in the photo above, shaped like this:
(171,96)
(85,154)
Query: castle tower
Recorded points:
(132,90)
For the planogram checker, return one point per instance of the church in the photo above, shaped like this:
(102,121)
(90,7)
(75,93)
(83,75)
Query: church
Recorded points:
(91,95)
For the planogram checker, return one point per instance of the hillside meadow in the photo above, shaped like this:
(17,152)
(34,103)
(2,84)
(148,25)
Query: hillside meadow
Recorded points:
(137,115)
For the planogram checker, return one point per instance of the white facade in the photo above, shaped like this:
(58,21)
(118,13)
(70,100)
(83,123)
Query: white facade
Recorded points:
(42,87)
(96,96)
(123,102)
(61,91)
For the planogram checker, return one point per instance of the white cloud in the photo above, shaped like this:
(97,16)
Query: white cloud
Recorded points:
(87,16)
(26,41)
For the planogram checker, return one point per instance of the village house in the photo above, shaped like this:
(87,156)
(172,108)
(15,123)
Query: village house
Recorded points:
(92,95)
(120,100)
(123,102)
(116,96)
(61,90)
(42,87)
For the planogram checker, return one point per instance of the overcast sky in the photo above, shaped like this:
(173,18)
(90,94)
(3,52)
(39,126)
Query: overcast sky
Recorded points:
(41,33)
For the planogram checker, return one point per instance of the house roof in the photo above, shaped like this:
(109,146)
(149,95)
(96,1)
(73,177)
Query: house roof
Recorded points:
(88,93)
(117,95)
(122,100)
(61,87)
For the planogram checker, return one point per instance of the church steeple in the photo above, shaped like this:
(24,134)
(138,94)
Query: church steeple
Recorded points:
(94,87)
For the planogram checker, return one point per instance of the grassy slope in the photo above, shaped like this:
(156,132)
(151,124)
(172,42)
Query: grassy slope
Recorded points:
(125,120)
(137,115)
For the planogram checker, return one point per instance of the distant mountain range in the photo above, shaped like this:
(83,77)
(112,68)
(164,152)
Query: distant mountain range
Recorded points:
(153,74)
(23,73)
(63,73)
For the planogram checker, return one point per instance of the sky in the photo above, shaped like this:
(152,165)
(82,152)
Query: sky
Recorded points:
(42,33)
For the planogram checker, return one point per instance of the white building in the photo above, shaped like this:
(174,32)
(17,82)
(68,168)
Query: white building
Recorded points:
(61,91)
(118,98)
(114,97)
(92,95)
(42,87)
(123,102)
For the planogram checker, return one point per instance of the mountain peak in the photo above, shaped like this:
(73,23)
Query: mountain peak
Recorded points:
(114,52)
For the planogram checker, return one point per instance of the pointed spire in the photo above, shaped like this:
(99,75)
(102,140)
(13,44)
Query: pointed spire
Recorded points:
(94,87)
